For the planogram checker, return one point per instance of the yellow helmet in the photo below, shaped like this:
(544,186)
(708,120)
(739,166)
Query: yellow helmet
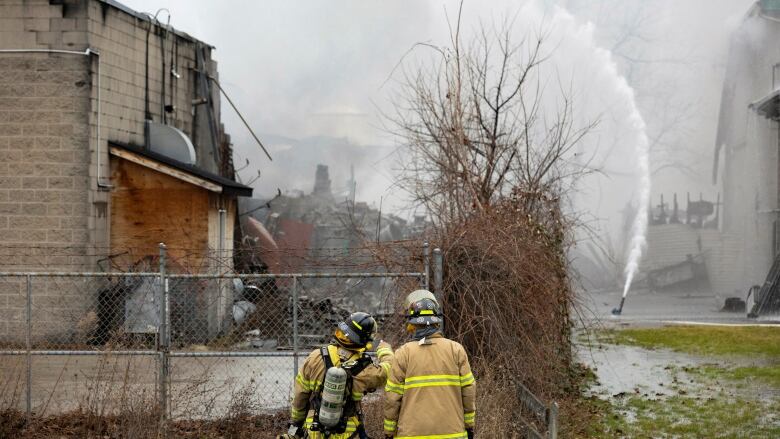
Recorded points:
(418,295)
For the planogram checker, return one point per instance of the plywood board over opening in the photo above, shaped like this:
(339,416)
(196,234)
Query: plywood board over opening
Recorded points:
(149,207)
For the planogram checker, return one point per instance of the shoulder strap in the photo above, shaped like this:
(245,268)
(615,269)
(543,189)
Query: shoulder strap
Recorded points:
(360,364)
(326,358)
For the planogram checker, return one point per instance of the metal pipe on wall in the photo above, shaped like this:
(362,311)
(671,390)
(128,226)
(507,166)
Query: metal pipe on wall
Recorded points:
(28,317)
(87,52)
(223,304)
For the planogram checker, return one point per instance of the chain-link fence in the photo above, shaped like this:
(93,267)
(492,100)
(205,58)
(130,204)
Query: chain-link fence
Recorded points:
(191,345)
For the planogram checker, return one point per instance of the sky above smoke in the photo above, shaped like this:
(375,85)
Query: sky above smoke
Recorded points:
(313,77)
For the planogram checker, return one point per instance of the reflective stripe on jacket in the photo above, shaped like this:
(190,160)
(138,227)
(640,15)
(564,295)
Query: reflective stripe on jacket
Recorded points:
(431,392)
(311,374)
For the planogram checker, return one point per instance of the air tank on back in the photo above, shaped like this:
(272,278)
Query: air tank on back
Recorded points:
(333,390)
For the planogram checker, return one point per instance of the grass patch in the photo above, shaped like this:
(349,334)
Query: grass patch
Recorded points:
(693,411)
(767,375)
(687,417)
(680,416)
(744,341)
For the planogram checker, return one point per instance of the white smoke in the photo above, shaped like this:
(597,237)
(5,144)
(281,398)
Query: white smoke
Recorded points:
(595,71)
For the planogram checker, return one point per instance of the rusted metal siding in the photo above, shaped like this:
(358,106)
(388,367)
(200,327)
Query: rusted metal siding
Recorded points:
(148,207)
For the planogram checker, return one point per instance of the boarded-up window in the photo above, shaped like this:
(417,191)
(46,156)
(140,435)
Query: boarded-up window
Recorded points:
(149,207)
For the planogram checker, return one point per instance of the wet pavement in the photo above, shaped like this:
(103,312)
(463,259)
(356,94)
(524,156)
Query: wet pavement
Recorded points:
(200,387)
(648,308)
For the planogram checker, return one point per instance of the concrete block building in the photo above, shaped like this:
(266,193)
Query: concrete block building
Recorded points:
(110,143)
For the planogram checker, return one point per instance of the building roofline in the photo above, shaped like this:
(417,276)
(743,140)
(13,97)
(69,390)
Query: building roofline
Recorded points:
(143,16)
(768,106)
(229,187)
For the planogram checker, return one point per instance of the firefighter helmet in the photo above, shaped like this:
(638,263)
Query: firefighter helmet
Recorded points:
(416,295)
(357,331)
(424,312)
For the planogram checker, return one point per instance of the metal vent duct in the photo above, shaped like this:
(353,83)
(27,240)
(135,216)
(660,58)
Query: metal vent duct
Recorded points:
(170,142)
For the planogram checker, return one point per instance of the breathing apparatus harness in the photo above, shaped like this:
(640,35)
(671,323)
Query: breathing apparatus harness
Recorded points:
(352,368)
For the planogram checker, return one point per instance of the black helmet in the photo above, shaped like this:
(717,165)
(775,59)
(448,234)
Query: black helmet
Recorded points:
(357,331)
(424,312)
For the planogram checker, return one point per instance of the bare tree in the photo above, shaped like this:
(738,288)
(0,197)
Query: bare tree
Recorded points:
(476,127)
(487,136)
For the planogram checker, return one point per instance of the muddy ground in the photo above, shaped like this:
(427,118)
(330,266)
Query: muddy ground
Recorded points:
(713,375)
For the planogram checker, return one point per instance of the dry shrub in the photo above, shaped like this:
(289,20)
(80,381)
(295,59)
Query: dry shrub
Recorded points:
(80,425)
(507,295)
(497,407)
(507,299)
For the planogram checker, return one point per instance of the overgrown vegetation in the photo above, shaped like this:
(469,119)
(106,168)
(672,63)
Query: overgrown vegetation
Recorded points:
(485,159)
(79,425)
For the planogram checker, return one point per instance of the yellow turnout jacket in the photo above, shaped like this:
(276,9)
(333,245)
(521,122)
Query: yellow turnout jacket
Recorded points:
(312,373)
(431,392)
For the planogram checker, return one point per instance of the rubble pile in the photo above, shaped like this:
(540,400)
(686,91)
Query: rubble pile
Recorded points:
(268,324)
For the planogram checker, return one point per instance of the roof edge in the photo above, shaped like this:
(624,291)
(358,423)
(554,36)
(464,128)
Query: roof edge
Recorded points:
(229,187)
(143,16)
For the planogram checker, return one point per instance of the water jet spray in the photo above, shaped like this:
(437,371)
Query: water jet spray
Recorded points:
(609,72)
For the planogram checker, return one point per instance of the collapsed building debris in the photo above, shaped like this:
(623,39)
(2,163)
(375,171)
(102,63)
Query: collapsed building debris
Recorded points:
(321,220)
(297,233)
(685,249)
(317,315)
(691,273)
(698,213)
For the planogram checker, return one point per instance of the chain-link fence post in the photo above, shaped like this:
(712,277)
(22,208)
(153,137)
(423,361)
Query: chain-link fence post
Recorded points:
(552,421)
(427,259)
(437,273)
(295,324)
(438,277)
(28,317)
(164,344)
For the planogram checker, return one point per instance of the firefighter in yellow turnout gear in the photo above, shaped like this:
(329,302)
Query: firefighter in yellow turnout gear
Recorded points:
(348,351)
(431,392)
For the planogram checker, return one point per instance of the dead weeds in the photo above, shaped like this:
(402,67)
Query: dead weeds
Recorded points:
(83,425)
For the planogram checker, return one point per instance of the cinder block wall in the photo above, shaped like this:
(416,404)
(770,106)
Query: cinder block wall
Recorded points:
(44,135)
(121,39)
(53,214)
(44,160)
(44,156)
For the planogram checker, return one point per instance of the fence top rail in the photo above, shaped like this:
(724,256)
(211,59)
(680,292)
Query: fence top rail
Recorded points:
(207,276)
(531,433)
(531,401)
(60,352)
